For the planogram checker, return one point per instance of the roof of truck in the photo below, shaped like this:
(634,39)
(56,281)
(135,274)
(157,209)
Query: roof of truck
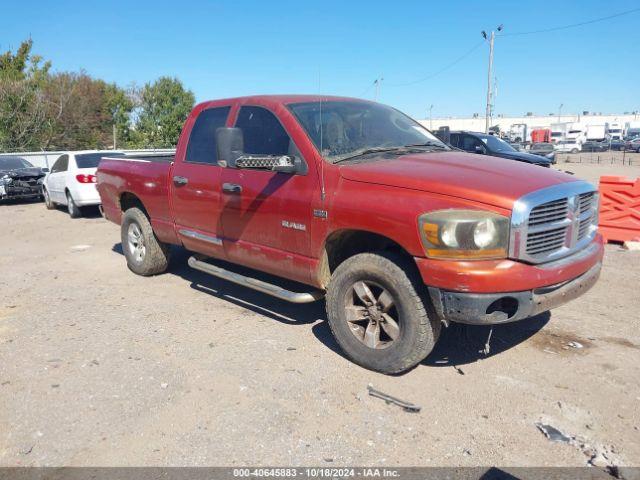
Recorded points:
(286,99)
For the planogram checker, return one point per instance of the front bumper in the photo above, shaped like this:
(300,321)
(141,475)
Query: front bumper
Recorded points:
(16,191)
(492,308)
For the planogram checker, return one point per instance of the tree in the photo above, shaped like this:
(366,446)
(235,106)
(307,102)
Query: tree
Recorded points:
(23,119)
(163,108)
(83,112)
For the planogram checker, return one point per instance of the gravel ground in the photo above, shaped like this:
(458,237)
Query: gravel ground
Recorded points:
(101,367)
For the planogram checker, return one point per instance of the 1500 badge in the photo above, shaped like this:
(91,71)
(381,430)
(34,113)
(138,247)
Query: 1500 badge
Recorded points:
(294,225)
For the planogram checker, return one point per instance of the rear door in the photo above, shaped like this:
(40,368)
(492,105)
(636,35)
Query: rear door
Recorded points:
(56,180)
(195,185)
(265,213)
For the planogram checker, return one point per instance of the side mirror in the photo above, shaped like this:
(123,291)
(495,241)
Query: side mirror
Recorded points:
(45,170)
(479,149)
(229,144)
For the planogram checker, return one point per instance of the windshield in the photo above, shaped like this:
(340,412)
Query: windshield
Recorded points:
(342,129)
(496,144)
(91,160)
(10,163)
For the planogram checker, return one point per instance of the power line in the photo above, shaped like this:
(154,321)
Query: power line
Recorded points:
(573,25)
(447,67)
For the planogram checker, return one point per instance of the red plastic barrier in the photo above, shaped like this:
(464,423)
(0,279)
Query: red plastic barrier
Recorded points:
(619,219)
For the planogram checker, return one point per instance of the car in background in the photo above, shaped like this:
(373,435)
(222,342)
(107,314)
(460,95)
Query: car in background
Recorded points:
(616,144)
(72,181)
(484,144)
(19,179)
(544,150)
(568,146)
(595,146)
(633,145)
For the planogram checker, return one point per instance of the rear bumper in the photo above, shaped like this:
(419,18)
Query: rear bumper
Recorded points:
(85,194)
(493,308)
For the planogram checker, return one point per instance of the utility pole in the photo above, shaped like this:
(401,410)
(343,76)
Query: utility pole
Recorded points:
(491,39)
(560,112)
(430,118)
(115,140)
(377,82)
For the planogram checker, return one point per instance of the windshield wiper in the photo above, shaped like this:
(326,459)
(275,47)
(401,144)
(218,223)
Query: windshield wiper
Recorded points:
(400,149)
(367,151)
(428,144)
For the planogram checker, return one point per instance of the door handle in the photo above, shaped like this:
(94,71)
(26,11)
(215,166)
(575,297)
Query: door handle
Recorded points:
(178,180)
(231,188)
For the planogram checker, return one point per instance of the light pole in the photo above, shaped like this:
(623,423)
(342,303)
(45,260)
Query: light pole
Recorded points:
(377,83)
(491,39)
(430,118)
(560,112)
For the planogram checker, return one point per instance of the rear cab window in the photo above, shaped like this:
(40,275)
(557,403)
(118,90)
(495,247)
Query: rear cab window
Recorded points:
(202,146)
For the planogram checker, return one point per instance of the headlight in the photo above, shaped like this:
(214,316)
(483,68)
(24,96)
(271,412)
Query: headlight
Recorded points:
(7,179)
(464,234)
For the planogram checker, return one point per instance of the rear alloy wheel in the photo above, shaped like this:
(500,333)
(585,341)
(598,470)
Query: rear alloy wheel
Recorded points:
(47,200)
(145,254)
(74,210)
(379,312)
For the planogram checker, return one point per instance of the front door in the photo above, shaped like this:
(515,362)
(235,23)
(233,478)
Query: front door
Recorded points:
(265,214)
(195,185)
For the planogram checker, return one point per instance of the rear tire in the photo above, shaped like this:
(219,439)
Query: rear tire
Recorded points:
(145,254)
(413,322)
(74,210)
(47,200)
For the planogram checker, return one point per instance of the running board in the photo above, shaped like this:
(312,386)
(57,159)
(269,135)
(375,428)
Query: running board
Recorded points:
(255,284)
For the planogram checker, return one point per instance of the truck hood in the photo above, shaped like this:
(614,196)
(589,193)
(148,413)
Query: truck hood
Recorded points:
(481,178)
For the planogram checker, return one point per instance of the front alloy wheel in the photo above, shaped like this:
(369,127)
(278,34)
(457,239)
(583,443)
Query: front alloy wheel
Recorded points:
(371,313)
(379,312)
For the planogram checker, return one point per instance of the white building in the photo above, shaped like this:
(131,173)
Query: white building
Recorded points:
(477,124)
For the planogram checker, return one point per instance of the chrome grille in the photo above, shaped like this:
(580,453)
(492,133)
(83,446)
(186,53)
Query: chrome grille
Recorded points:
(553,222)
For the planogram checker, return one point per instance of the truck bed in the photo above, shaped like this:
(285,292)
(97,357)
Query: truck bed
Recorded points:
(145,177)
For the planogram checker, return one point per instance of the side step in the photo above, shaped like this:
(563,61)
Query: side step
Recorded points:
(255,284)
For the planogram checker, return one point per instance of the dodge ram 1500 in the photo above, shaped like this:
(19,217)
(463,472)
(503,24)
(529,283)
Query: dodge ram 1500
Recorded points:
(360,204)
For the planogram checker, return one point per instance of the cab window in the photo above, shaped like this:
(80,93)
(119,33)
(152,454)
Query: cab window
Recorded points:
(263,134)
(202,146)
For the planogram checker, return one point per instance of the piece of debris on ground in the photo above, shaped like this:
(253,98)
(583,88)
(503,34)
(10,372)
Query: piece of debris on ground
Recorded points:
(406,406)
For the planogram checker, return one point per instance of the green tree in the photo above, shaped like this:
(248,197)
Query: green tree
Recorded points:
(82,112)
(163,107)
(23,120)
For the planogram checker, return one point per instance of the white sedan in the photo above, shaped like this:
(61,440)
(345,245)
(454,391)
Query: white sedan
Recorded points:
(72,180)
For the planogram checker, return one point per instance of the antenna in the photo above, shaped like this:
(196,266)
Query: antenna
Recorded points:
(322,191)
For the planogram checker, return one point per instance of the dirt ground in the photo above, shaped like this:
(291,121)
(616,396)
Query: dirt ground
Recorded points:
(101,367)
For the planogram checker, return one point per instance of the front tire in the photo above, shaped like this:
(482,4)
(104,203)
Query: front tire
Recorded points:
(379,314)
(74,210)
(145,254)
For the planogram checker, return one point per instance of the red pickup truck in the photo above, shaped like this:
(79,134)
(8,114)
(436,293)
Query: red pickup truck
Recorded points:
(357,202)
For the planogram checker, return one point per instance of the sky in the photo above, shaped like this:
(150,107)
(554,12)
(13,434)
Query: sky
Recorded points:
(221,49)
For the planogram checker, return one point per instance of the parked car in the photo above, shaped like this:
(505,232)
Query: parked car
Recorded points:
(19,179)
(568,146)
(545,150)
(595,146)
(633,145)
(72,181)
(616,144)
(359,203)
(490,145)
